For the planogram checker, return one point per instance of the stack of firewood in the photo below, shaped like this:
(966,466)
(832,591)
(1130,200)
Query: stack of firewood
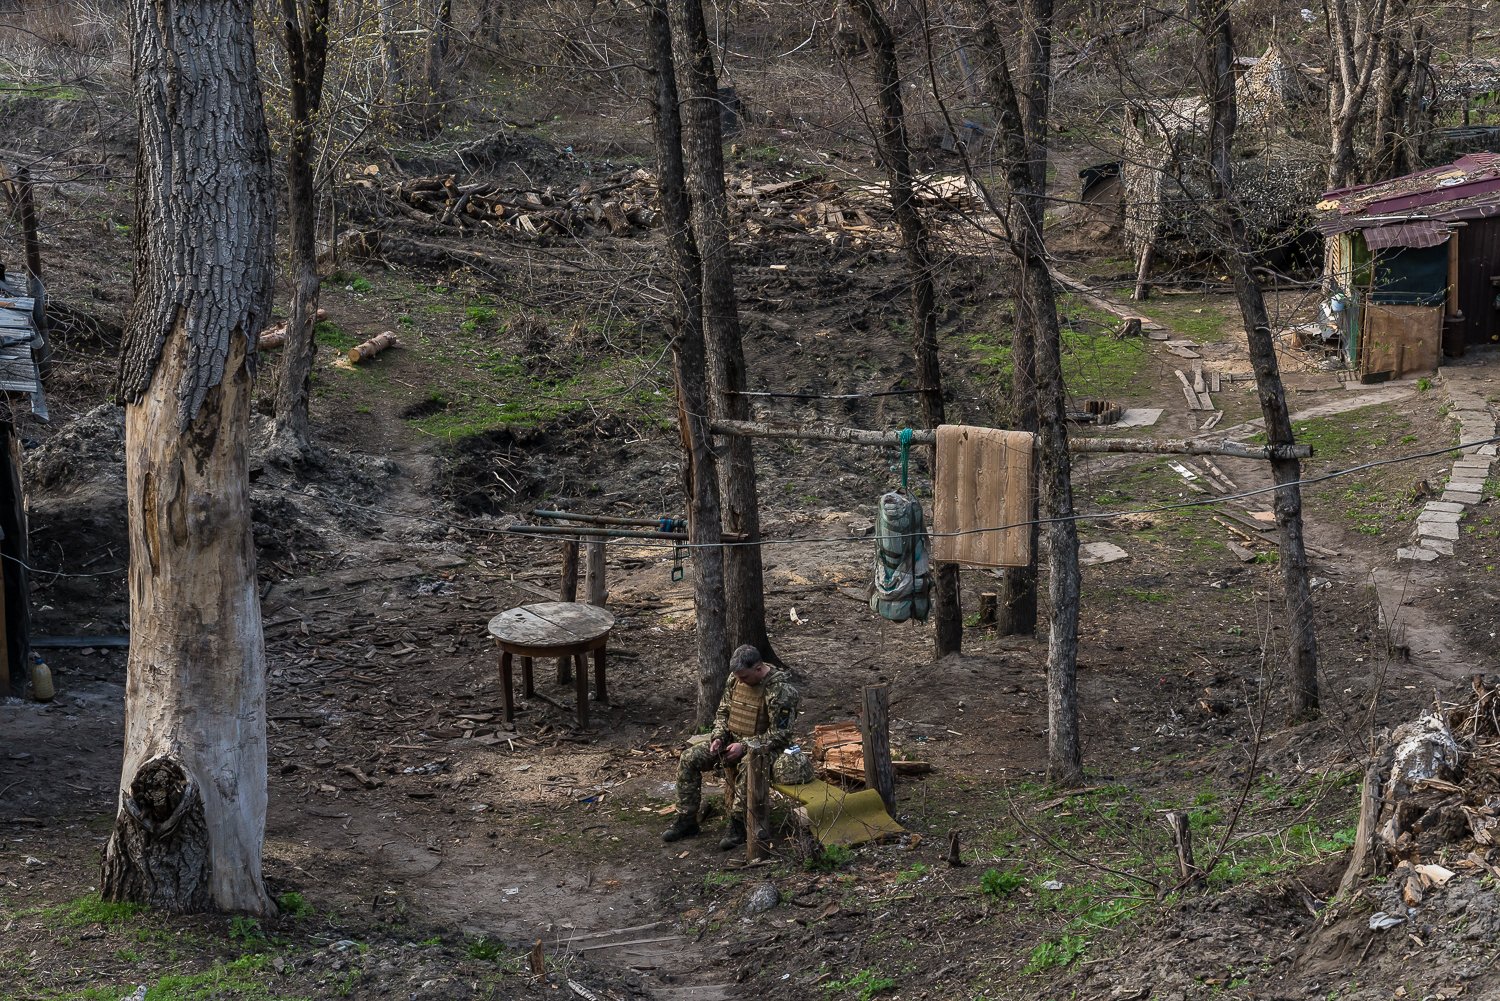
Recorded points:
(617,205)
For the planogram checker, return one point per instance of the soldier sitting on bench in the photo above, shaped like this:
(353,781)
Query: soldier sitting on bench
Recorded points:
(756,713)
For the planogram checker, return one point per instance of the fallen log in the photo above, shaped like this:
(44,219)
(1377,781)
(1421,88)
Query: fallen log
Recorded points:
(372,347)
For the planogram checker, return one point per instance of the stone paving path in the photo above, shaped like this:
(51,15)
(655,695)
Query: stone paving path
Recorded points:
(1469,387)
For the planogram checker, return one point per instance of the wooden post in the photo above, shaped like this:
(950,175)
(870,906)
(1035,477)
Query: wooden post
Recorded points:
(567,590)
(593,579)
(4,643)
(505,687)
(874,726)
(1182,838)
(757,805)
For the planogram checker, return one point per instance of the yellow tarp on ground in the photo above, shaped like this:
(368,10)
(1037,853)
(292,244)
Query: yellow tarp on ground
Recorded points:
(842,818)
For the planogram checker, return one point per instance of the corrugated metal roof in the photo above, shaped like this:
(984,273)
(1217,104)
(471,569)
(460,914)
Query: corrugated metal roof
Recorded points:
(1420,233)
(19,341)
(1467,188)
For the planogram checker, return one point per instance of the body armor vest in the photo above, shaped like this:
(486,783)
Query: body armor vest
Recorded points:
(747,710)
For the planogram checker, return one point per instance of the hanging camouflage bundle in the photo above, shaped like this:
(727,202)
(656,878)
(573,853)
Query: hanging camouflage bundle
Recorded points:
(902,585)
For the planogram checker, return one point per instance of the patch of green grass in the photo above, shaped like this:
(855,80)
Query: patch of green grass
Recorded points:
(330,335)
(829,858)
(92,910)
(476,317)
(1201,318)
(243,978)
(863,985)
(912,874)
(1095,364)
(50,91)
(246,930)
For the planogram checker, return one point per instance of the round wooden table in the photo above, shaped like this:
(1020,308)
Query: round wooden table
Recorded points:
(563,629)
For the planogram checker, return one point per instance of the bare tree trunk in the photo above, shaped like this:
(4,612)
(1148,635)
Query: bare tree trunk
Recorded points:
(703,156)
(1356,29)
(306,34)
(1018,585)
(895,153)
(191,822)
(491,22)
(390,53)
(1064,749)
(437,54)
(1287,472)
(700,475)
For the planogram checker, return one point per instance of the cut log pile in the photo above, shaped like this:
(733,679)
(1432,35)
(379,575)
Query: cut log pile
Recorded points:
(617,205)
(838,753)
(625,204)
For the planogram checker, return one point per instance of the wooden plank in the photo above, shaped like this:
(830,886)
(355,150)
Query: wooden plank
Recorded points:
(1205,402)
(1191,397)
(757,805)
(1213,381)
(1212,422)
(1198,384)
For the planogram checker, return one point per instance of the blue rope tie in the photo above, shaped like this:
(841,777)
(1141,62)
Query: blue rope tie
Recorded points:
(905,454)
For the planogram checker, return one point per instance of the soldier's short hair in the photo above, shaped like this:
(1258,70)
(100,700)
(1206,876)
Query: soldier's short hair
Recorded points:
(746,658)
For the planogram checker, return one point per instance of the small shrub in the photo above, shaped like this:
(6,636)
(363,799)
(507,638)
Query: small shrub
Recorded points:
(247,930)
(1055,955)
(997,884)
(294,905)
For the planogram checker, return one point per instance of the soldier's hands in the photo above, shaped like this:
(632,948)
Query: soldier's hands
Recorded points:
(735,751)
(715,746)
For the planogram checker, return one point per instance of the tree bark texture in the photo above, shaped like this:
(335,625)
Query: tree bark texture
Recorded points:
(916,243)
(699,467)
(390,53)
(703,160)
(1285,472)
(1055,479)
(195,724)
(305,26)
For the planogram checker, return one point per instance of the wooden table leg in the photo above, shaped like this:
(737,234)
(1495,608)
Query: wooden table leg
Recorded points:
(581,690)
(600,695)
(565,670)
(526,686)
(505,680)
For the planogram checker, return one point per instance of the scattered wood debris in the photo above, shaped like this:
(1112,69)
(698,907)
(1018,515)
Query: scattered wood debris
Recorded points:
(838,751)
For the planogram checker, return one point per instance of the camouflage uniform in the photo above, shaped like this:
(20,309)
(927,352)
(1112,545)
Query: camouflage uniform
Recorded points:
(780,712)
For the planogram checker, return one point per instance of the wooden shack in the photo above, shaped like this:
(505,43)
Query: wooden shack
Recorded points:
(1413,266)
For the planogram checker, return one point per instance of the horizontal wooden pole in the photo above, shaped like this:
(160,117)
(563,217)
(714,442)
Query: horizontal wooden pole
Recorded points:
(1148,446)
(590,532)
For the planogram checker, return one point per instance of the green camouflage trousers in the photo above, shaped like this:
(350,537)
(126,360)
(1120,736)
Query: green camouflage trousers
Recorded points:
(695,761)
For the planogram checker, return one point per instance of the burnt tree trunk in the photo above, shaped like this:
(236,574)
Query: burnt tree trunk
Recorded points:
(191,822)
(703,160)
(916,243)
(305,29)
(390,54)
(700,475)
(1064,750)
(1286,473)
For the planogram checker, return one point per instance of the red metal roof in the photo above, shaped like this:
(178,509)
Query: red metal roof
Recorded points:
(1467,188)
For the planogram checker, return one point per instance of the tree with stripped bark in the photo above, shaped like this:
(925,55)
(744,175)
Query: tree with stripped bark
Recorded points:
(191,821)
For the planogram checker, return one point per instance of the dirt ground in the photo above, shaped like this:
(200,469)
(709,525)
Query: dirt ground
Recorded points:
(420,846)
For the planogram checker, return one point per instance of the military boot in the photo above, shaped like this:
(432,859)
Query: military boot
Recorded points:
(734,834)
(685,826)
